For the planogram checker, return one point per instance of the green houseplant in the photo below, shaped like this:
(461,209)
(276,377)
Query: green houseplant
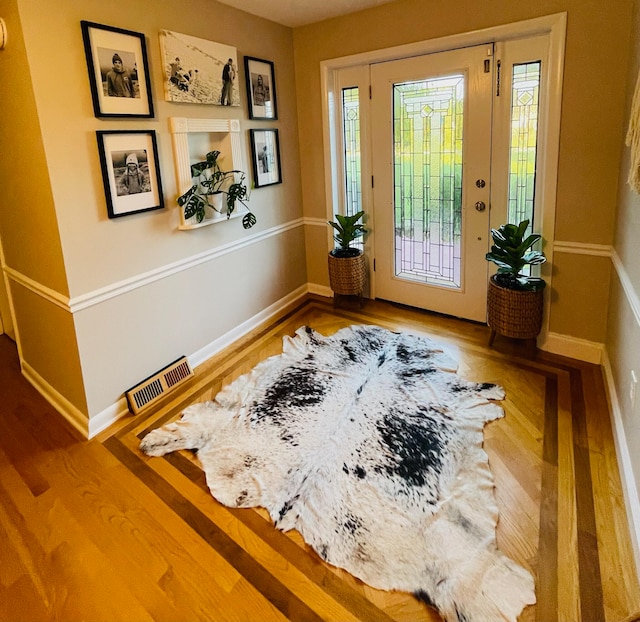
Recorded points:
(347,268)
(348,229)
(210,182)
(514,298)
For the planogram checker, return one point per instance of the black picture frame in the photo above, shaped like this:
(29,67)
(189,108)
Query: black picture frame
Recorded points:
(141,189)
(122,90)
(265,156)
(261,88)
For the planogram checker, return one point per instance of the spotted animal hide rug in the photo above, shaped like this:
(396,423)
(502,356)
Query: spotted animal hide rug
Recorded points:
(370,445)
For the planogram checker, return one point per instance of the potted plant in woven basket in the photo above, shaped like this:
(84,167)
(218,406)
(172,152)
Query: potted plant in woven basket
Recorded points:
(347,269)
(514,299)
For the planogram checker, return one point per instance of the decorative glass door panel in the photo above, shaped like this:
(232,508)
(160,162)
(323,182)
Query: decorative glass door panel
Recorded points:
(431,140)
(428,120)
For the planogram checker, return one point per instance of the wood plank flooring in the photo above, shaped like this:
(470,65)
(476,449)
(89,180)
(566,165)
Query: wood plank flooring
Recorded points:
(94,530)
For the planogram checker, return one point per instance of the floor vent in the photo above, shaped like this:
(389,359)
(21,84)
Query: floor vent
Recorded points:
(153,388)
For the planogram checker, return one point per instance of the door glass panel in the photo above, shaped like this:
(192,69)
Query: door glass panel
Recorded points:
(525,95)
(427,132)
(352,159)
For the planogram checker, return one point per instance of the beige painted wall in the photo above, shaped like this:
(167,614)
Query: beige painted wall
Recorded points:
(61,237)
(28,226)
(623,337)
(28,222)
(591,132)
(52,30)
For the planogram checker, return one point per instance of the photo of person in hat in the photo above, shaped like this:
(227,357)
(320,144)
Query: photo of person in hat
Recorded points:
(133,180)
(118,81)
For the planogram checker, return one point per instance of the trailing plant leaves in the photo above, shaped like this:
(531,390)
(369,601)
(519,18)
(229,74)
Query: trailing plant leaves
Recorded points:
(198,168)
(212,180)
(248,220)
(186,196)
(212,158)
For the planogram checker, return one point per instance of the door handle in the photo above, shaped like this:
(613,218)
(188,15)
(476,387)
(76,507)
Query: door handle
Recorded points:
(480,206)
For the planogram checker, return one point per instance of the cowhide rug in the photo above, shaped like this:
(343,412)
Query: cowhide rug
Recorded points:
(370,445)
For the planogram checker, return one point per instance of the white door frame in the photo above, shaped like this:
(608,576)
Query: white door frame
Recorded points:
(554,26)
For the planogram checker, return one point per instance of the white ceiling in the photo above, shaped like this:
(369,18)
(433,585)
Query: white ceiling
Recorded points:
(301,12)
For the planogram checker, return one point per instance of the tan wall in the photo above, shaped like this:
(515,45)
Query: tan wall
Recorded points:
(28,223)
(68,124)
(57,362)
(592,114)
(61,237)
(623,336)
(28,226)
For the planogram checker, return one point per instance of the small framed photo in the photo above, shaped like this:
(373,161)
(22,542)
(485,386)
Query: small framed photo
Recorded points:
(130,171)
(265,151)
(118,71)
(261,88)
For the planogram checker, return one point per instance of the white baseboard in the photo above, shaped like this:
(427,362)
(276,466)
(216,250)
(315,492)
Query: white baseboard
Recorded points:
(320,290)
(108,417)
(116,411)
(572,347)
(632,502)
(62,405)
(558,344)
(204,354)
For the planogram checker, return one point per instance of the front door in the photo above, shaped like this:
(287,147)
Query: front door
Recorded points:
(431,141)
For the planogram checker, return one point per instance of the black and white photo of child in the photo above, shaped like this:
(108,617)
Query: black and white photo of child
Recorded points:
(131,171)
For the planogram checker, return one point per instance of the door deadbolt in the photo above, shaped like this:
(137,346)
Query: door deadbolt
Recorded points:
(481,183)
(480,206)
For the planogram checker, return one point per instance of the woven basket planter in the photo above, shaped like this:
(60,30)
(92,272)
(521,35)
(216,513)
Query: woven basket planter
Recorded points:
(347,275)
(513,313)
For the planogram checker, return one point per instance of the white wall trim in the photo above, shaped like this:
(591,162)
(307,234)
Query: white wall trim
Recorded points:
(553,26)
(116,411)
(629,489)
(62,405)
(85,301)
(320,290)
(627,285)
(316,222)
(98,296)
(37,288)
(579,248)
(572,347)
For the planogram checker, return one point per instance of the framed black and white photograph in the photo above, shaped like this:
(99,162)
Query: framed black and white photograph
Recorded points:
(261,88)
(130,171)
(118,71)
(198,71)
(265,152)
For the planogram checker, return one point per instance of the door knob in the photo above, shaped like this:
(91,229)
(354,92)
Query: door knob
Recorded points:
(480,206)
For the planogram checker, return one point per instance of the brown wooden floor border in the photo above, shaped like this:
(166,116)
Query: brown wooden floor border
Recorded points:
(546,589)
(272,589)
(591,595)
(310,566)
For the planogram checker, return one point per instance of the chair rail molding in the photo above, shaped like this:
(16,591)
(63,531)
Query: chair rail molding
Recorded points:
(113,290)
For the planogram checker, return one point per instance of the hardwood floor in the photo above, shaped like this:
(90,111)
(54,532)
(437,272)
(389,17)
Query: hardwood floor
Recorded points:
(96,531)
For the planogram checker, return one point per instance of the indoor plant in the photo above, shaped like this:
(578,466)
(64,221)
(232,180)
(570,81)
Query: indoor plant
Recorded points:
(514,299)
(212,182)
(347,269)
